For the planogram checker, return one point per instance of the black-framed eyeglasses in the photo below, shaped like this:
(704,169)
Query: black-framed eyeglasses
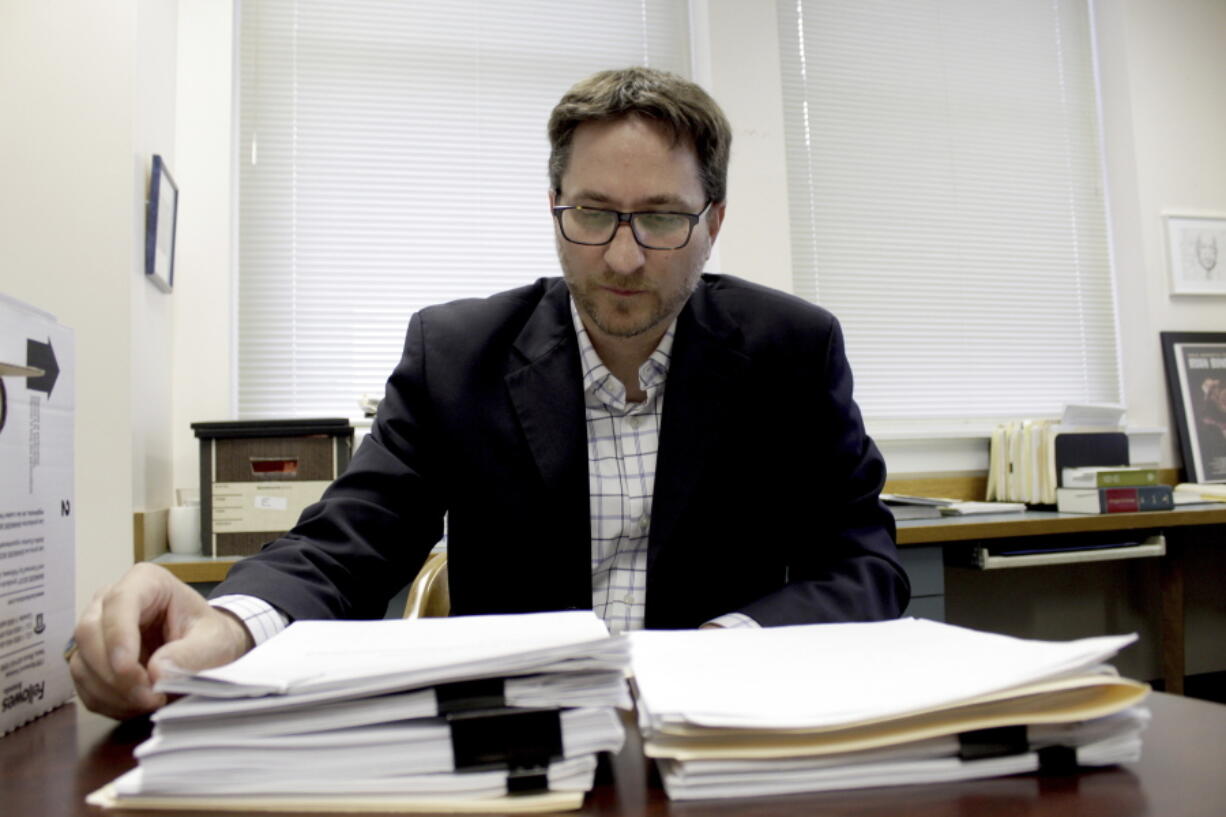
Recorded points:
(652,229)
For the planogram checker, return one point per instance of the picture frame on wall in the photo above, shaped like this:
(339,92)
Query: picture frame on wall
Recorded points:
(1196,253)
(1195,365)
(161,218)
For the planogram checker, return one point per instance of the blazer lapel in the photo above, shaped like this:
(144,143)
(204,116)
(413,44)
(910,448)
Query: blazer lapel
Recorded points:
(546,388)
(706,369)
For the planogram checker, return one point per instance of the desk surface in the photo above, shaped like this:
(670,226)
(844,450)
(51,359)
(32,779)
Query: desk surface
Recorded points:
(47,767)
(910,532)
(1045,523)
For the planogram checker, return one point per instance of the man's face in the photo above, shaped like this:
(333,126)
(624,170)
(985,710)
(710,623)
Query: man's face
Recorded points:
(624,290)
(1206,252)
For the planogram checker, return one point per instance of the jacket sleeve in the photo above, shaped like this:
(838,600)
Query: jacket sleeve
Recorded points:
(842,563)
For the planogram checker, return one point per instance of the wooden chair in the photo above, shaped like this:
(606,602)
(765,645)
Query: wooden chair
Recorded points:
(429,595)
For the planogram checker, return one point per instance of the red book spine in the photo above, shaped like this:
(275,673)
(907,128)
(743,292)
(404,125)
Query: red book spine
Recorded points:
(1120,500)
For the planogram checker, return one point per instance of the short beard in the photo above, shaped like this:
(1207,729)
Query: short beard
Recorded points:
(665,310)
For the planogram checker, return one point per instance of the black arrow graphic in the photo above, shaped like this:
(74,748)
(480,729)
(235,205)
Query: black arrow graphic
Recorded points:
(42,356)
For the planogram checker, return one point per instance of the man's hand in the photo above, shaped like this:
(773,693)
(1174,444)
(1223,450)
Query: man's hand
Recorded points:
(141,628)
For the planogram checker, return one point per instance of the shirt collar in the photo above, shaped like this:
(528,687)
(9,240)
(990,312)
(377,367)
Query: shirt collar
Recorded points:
(600,382)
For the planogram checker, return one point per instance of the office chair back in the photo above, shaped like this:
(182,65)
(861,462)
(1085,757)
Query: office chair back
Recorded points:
(429,595)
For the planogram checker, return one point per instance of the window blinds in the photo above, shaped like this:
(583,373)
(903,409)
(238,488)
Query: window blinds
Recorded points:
(392,156)
(947,202)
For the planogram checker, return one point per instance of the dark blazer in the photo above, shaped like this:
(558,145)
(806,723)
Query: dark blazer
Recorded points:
(766,484)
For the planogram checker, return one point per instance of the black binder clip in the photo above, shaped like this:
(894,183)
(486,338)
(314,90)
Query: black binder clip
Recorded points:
(523,741)
(1001,741)
(528,780)
(1058,760)
(465,696)
(505,738)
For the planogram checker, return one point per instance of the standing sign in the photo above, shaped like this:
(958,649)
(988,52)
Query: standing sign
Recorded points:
(37,401)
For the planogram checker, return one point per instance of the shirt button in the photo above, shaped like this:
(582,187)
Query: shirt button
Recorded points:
(628,599)
(636,420)
(644,522)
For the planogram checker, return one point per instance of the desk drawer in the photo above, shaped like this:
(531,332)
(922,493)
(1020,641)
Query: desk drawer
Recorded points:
(926,568)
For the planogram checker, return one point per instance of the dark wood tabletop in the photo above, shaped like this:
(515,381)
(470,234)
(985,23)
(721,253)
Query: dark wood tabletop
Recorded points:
(48,766)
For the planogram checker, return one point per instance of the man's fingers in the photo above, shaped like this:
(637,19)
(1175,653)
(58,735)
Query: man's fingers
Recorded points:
(91,648)
(212,638)
(104,698)
(123,624)
(140,598)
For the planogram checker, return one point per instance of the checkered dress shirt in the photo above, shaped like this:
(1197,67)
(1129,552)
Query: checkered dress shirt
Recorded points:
(623,439)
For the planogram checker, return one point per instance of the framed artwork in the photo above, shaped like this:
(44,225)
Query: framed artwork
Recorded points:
(162,211)
(1196,378)
(1196,254)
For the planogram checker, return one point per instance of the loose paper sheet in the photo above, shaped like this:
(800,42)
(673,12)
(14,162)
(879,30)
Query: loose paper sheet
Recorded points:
(824,675)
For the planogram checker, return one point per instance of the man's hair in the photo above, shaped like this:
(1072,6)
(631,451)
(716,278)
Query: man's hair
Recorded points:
(684,110)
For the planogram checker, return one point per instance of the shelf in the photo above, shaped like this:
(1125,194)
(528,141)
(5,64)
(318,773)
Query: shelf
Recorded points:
(194,568)
(1045,523)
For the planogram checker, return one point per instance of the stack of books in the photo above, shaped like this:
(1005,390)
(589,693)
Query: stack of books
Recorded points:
(480,713)
(1112,489)
(735,713)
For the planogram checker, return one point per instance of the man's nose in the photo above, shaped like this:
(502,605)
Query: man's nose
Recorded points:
(624,255)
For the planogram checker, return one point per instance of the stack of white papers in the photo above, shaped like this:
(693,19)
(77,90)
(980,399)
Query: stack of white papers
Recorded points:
(481,713)
(732,713)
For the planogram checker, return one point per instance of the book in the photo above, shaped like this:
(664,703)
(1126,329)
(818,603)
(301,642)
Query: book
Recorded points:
(903,513)
(735,713)
(1026,458)
(912,507)
(1115,500)
(976,508)
(1108,476)
(1195,493)
(930,507)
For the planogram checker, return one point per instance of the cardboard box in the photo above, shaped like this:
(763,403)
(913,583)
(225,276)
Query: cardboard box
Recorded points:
(37,526)
(257,476)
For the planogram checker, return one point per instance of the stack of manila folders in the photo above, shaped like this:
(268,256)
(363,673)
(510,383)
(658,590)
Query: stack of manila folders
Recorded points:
(736,713)
(483,713)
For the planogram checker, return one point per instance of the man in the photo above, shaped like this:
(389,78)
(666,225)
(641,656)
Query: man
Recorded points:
(670,449)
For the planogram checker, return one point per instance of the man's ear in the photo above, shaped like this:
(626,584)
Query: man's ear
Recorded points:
(715,218)
(553,198)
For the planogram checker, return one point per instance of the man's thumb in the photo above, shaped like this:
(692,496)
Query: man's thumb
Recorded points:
(208,643)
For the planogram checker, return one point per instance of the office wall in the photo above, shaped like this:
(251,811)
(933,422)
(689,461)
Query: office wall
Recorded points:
(1163,73)
(82,107)
(203,302)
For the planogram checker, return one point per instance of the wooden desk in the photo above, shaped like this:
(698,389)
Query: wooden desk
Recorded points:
(951,533)
(1048,523)
(910,533)
(50,765)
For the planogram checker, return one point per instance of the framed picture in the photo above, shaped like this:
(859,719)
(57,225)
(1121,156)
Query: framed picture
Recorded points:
(162,210)
(1196,254)
(1196,377)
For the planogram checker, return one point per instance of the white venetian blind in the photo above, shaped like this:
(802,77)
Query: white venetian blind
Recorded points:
(947,202)
(393,155)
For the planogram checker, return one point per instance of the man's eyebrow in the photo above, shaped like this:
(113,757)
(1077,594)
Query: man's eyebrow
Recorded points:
(666,199)
(655,200)
(590,195)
